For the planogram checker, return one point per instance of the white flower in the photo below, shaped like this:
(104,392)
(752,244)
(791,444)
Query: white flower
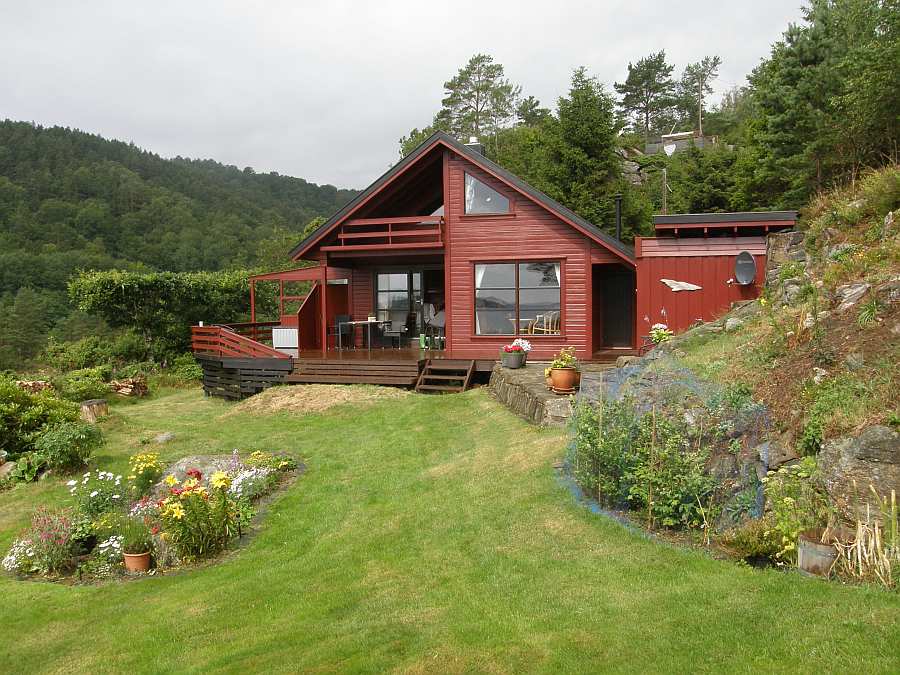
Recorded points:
(115,496)
(94,494)
(71,483)
(87,475)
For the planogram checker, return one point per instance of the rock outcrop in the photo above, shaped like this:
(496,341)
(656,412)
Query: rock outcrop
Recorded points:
(850,464)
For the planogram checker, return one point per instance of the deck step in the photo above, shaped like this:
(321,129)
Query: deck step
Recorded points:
(445,371)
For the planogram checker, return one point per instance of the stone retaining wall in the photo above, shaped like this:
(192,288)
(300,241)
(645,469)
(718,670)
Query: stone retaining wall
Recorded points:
(524,391)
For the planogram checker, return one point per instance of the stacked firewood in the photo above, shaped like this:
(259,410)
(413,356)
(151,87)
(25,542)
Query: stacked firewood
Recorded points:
(33,386)
(129,386)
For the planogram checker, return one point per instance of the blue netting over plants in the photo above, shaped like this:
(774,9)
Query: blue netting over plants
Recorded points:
(717,435)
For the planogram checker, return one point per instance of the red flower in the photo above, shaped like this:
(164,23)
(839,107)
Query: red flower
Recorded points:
(194,473)
(154,529)
(512,348)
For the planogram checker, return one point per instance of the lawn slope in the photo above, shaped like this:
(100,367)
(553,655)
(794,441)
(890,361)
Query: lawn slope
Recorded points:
(429,534)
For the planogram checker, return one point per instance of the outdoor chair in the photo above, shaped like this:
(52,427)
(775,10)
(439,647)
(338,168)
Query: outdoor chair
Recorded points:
(546,324)
(342,329)
(396,331)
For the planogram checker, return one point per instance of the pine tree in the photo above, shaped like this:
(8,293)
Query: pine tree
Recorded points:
(647,93)
(695,85)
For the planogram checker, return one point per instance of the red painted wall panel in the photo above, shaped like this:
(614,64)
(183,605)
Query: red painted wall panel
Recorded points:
(708,263)
(532,233)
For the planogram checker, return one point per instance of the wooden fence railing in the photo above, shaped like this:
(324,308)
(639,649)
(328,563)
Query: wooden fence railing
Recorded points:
(224,342)
(261,331)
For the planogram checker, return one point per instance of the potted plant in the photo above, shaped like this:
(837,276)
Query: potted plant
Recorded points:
(564,371)
(137,542)
(512,356)
(525,345)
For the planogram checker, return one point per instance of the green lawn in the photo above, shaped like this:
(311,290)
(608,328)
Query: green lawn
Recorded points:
(429,534)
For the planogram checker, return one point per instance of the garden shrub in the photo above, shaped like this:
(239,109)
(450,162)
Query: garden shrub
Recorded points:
(797,502)
(145,470)
(647,463)
(253,483)
(753,540)
(603,462)
(84,384)
(46,548)
(69,445)
(24,416)
(186,368)
(669,479)
(98,492)
(198,520)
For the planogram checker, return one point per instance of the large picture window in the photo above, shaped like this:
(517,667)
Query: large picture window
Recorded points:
(481,198)
(517,298)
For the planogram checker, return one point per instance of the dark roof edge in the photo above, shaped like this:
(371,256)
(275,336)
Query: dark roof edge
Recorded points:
(476,158)
(739,217)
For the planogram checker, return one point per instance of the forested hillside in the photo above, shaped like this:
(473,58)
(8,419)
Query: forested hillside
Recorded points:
(71,200)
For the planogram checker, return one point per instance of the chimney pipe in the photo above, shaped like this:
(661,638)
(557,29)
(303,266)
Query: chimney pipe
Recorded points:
(618,216)
(475,145)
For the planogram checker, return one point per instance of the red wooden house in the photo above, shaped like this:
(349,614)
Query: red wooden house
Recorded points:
(425,275)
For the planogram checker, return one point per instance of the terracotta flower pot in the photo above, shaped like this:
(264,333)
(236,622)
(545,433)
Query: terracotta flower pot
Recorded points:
(563,380)
(137,562)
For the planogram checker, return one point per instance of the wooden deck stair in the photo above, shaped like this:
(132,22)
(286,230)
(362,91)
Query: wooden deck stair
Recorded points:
(401,374)
(445,375)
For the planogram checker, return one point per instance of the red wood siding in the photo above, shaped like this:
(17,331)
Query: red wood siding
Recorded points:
(532,233)
(708,263)
(361,298)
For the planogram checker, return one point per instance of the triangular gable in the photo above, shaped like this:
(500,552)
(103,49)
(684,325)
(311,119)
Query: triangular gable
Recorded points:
(587,228)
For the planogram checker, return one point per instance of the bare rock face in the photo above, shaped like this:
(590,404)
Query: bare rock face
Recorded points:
(850,294)
(851,464)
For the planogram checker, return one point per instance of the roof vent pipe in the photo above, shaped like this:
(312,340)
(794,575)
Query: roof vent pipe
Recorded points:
(474,145)
(618,217)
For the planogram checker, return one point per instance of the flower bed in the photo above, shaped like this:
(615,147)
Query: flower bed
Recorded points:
(115,521)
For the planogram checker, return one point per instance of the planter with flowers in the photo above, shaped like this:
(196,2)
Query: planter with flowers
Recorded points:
(515,354)
(564,375)
(136,543)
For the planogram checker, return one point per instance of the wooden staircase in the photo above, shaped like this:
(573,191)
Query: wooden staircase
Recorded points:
(401,374)
(449,376)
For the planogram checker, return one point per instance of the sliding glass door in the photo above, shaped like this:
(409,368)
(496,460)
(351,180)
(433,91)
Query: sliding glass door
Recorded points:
(398,299)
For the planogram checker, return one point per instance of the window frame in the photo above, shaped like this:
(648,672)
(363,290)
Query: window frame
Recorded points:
(509,198)
(516,262)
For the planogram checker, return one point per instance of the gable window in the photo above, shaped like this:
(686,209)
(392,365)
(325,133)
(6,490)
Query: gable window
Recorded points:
(517,298)
(481,198)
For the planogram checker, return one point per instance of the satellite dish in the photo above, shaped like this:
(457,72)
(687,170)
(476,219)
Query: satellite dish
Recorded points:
(669,149)
(744,268)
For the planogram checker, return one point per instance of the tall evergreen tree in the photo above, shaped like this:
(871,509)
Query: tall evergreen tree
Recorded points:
(479,99)
(695,85)
(647,93)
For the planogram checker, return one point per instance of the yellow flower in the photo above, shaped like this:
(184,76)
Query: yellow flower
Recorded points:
(220,479)
(175,510)
(171,481)
(190,483)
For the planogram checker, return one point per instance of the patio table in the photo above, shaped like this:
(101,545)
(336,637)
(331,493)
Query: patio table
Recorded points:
(368,324)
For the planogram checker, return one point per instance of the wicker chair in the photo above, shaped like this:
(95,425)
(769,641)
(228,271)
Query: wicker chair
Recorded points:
(547,324)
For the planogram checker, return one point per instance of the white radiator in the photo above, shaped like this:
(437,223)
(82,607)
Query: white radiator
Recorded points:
(286,341)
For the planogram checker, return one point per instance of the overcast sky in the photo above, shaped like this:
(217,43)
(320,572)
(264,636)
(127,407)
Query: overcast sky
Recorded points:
(323,90)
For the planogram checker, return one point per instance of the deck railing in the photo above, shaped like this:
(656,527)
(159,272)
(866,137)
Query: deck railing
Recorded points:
(224,342)
(261,331)
(393,233)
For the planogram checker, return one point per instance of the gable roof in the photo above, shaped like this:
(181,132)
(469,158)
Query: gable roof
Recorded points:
(440,138)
